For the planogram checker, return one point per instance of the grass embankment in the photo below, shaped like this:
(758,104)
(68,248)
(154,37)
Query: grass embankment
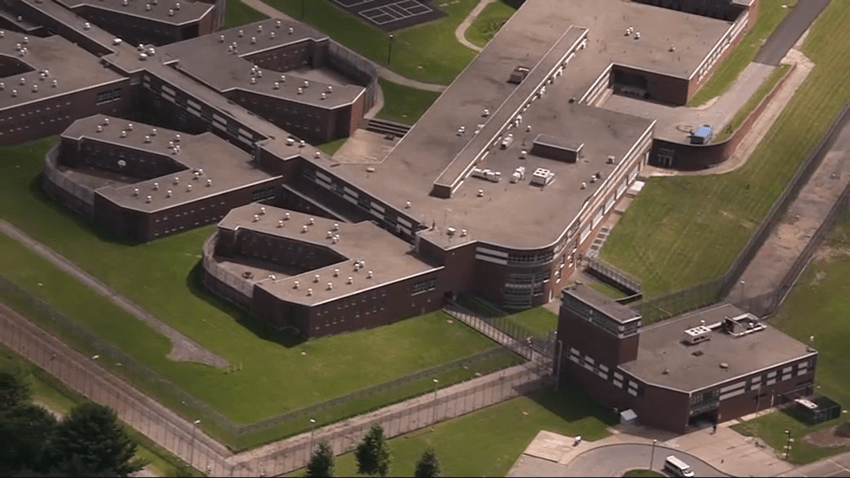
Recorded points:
(775,76)
(162,277)
(238,14)
(816,306)
(488,442)
(427,52)
(489,22)
(403,104)
(770,15)
(683,230)
(53,394)
(538,320)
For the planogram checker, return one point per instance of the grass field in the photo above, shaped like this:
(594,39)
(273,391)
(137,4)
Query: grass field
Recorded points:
(404,104)
(162,277)
(770,15)
(332,147)
(817,306)
(238,14)
(683,230)
(488,22)
(428,52)
(537,320)
(777,74)
(488,442)
(53,394)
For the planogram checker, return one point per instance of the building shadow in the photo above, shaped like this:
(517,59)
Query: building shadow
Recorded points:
(262,330)
(572,405)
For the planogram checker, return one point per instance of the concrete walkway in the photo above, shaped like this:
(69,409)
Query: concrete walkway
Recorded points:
(383,72)
(183,349)
(460,31)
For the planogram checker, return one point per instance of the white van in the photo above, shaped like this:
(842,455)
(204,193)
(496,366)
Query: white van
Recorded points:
(678,467)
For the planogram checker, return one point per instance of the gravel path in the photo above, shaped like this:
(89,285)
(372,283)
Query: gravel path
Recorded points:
(183,349)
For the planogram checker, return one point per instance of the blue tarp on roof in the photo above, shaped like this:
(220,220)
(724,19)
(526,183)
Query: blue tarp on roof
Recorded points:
(703,132)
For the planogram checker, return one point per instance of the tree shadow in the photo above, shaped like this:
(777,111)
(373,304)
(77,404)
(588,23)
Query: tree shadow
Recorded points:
(261,329)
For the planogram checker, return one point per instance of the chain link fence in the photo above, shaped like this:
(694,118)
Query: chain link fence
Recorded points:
(614,276)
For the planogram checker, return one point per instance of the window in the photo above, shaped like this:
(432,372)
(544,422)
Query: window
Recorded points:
(103,97)
(423,286)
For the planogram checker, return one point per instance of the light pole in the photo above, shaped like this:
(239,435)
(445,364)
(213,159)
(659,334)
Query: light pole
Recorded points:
(652,454)
(787,443)
(312,429)
(390,50)
(434,408)
(192,448)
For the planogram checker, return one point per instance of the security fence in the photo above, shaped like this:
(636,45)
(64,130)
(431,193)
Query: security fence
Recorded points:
(62,188)
(360,69)
(222,281)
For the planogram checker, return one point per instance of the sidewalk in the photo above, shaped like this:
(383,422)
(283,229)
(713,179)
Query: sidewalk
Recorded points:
(383,72)
(460,31)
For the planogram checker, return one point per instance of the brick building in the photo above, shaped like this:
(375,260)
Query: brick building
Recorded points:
(712,365)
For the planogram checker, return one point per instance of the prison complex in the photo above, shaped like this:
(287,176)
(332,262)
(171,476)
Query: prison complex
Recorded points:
(497,189)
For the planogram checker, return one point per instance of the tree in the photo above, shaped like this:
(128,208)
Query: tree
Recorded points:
(13,390)
(428,464)
(322,461)
(373,454)
(26,432)
(90,441)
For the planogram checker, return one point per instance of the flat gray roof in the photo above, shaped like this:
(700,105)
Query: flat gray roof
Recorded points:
(508,212)
(607,306)
(388,257)
(226,165)
(187,12)
(661,348)
(206,60)
(72,67)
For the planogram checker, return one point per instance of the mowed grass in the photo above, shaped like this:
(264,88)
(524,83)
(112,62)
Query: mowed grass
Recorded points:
(488,442)
(683,230)
(404,104)
(770,15)
(48,391)
(238,14)
(777,74)
(162,277)
(489,22)
(427,52)
(536,320)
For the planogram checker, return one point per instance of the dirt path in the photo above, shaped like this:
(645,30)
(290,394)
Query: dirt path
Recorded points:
(183,349)
(383,72)
(460,31)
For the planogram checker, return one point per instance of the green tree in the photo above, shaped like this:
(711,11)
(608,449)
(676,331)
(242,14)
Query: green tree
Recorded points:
(13,390)
(428,464)
(373,453)
(26,432)
(90,441)
(322,461)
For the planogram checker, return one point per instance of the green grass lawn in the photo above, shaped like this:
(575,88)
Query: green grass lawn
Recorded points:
(404,104)
(777,74)
(770,15)
(53,394)
(818,305)
(331,147)
(162,277)
(538,320)
(238,14)
(428,52)
(488,22)
(488,442)
(683,230)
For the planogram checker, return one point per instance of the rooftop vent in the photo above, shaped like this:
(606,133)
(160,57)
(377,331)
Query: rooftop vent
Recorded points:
(672,48)
(35,88)
(306,84)
(279,223)
(23,80)
(295,284)
(253,81)
(271,35)
(55,83)
(177,6)
(330,89)
(125,3)
(2,85)
(123,133)
(286,217)
(302,143)
(324,95)
(189,188)
(148,7)
(584,185)
(335,239)
(148,199)
(542,177)
(309,292)
(291,30)
(170,12)
(696,335)
(241,33)
(130,126)
(300,91)
(276,85)
(316,278)
(209,182)
(450,231)
(2,33)
(637,35)
(463,233)
(272,277)
(305,229)
(335,227)
(336,272)
(176,179)
(318,154)
(221,38)
(136,192)
(99,128)
(330,285)
(168,193)
(106,121)
(256,218)
(86,26)
(481,193)
(407,205)
(277,24)
(143,56)
(155,186)
(311,221)
(259,29)
(611,159)
(253,40)
(117,41)
(283,78)
(153,132)
(330,235)
(369,275)
(350,280)
(262,210)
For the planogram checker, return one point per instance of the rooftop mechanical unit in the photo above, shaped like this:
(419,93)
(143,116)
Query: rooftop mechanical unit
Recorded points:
(542,177)
(697,334)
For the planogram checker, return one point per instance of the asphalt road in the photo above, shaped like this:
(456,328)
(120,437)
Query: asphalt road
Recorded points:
(614,460)
(789,31)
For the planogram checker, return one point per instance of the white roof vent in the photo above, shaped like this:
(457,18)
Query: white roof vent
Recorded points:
(330,89)
(450,231)
(330,285)
(253,81)
(171,145)
(277,24)
(309,292)
(170,12)
(259,29)
(153,132)
(189,188)
(23,81)
(324,96)
(123,133)
(86,26)
(241,33)
(35,88)
(2,85)
(155,186)
(305,229)
(318,154)
(176,179)
(637,35)
(311,221)
(407,205)
(272,277)
(306,84)
(99,128)
(209,182)
(276,85)
(116,41)
(221,38)
(611,159)
(130,126)
(253,40)
(335,239)
(584,185)
(148,199)
(2,33)
(283,78)
(316,278)
(106,121)
(286,217)
(336,272)
(290,141)
(262,210)
(300,90)
(302,143)
(136,192)
(168,193)
(369,275)
(350,280)
(336,227)
(481,193)
(177,6)
(55,83)
(272,35)
(143,56)
(256,218)
(330,235)
(295,284)
(279,223)
(291,30)
(463,233)
(125,2)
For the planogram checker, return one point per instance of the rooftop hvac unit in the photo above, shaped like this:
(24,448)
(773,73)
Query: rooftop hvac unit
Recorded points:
(116,41)
(330,285)
(290,141)
(542,177)
(336,272)
(309,292)
(697,334)
(369,275)
(295,284)
(262,210)
(168,193)
(304,229)
(271,35)
(350,280)
(148,199)
(143,56)
(509,139)
(156,186)
(272,277)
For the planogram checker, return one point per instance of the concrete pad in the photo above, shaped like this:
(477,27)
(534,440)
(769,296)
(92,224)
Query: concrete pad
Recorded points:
(549,446)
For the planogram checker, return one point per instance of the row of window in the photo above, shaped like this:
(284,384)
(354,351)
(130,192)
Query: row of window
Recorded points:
(423,286)
(108,95)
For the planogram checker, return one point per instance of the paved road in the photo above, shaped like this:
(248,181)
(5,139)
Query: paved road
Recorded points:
(834,466)
(183,348)
(383,72)
(790,30)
